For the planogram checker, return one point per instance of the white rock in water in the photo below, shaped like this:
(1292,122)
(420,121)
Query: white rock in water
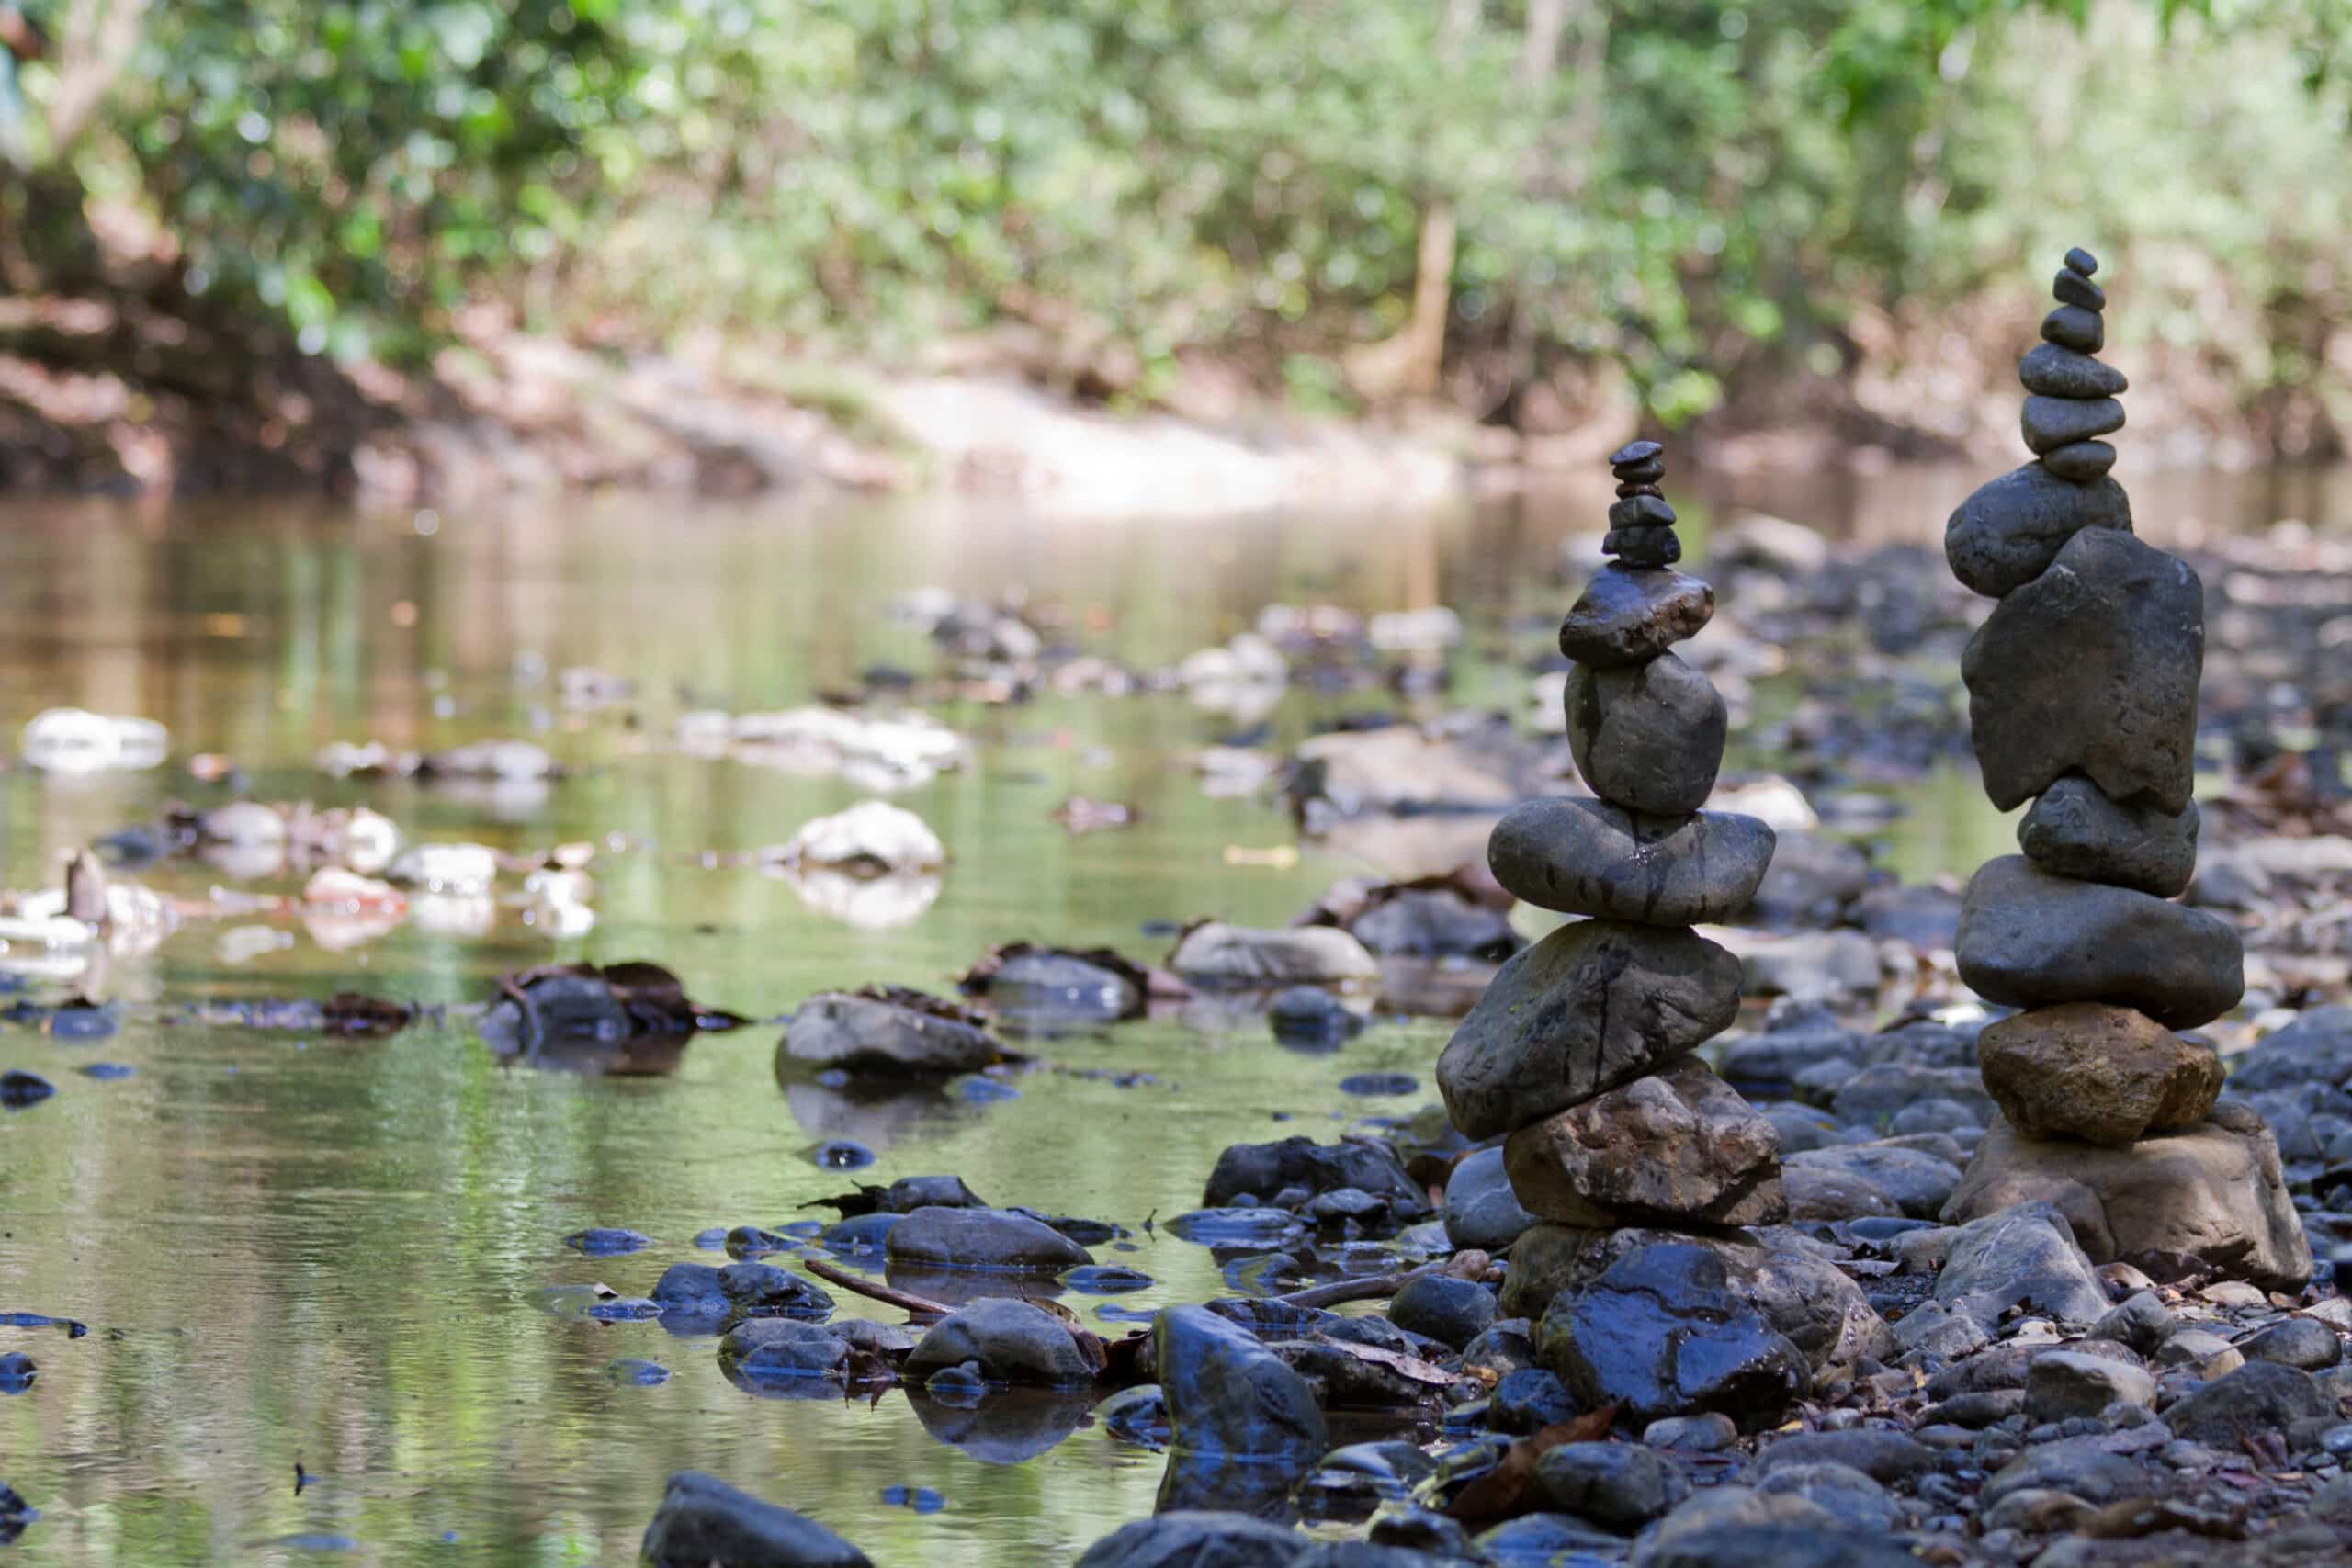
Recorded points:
(1777,802)
(244,822)
(495,760)
(871,835)
(364,841)
(74,741)
(448,868)
(341,759)
(893,752)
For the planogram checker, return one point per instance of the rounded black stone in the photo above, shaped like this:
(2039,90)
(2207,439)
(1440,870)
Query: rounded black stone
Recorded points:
(2055,372)
(1641,511)
(1648,471)
(1642,546)
(2049,423)
(2080,462)
(2082,260)
(2073,289)
(1634,452)
(2071,326)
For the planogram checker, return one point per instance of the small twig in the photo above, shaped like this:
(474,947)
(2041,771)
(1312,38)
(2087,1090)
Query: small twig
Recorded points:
(1372,1288)
(904,1301)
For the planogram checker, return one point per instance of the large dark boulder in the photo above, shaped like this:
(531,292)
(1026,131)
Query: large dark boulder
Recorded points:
(705,1523)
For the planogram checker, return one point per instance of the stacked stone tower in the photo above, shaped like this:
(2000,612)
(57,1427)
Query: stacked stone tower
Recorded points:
(1580,1050)
(2082,700)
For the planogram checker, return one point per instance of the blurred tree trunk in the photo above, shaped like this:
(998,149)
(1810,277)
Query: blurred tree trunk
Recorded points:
(1409,364)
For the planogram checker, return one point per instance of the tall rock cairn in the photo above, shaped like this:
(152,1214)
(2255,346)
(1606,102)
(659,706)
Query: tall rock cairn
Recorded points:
(1581,1049)
(2082,700)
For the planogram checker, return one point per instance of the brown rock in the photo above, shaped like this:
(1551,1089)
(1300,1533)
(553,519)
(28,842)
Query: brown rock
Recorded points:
(1677,1146)
(2093,1071)
(2215,1191)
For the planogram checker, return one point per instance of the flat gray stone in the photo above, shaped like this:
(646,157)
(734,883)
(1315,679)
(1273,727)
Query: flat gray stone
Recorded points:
(2075,829)
(2092,666)
(2008,532)
(1631,614)
(1649,737)
(2051,371)
(1671,1147)
(2049,423)
(2030,940)
(1587,857)
(1595,1004)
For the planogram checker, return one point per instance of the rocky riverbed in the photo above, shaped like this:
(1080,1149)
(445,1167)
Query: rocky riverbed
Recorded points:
(896,1133)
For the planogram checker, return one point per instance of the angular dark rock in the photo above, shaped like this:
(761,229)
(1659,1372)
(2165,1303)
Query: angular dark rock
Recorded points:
(2030,940)
(705,1523)
(1595,1004)
(2049,423)
(1648,738)
(1264,1169)
(1641,511)
(1675,1146)
(2093,667)
(2050,371)
(1631,614)
(1587,857)
(879,1031)
(1196,1539)
(2008,532)
(1661,1334)
(1230,1395)
(2075,829)
(1647,548)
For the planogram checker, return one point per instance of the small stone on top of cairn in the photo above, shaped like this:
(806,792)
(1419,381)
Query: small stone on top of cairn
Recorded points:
(1641,525)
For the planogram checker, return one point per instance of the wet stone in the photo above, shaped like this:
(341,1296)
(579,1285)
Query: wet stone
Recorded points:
(2007,532)
(1481,1210)
(2080,462)
(1196,1539)
(2030,940)
(1439,1306)
(1266,1169)
(2049,423)
(1661,1334)
(1230,1395)
(1651,547)
(2055,372)
(2075,829)
(2071,326)
(17,1374)
(885,1034)
(1530,1399)
(981,1238)
(1631,614)
(1679,1145)
(2108,1075)
(1312,1018)
(19,1088)
(1649,737)
(608,1243)
(1593,1005)
(1013,1341)
(1619,1486)
(1587,857)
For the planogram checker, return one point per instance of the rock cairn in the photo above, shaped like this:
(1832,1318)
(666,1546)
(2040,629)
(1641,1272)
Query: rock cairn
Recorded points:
(2082,700)
(1581,1049)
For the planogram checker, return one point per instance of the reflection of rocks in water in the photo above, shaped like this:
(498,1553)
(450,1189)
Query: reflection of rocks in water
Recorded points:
(467,916)
(1433,988)
(1222,1483)
(1006,1427)
(869,903)
(498,799)
(879,1114)
(625,1019)
(959,1287)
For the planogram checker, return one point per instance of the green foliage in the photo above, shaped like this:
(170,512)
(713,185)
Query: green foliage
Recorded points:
(1690,189)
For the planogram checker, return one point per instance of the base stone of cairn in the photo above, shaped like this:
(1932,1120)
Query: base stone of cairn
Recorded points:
(2082,700)
(1580,1051)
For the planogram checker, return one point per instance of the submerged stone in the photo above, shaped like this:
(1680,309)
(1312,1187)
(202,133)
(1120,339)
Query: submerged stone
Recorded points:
(1595,1004)
(1648,738)
(1587,857)
(2008,532)
(2030,940)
